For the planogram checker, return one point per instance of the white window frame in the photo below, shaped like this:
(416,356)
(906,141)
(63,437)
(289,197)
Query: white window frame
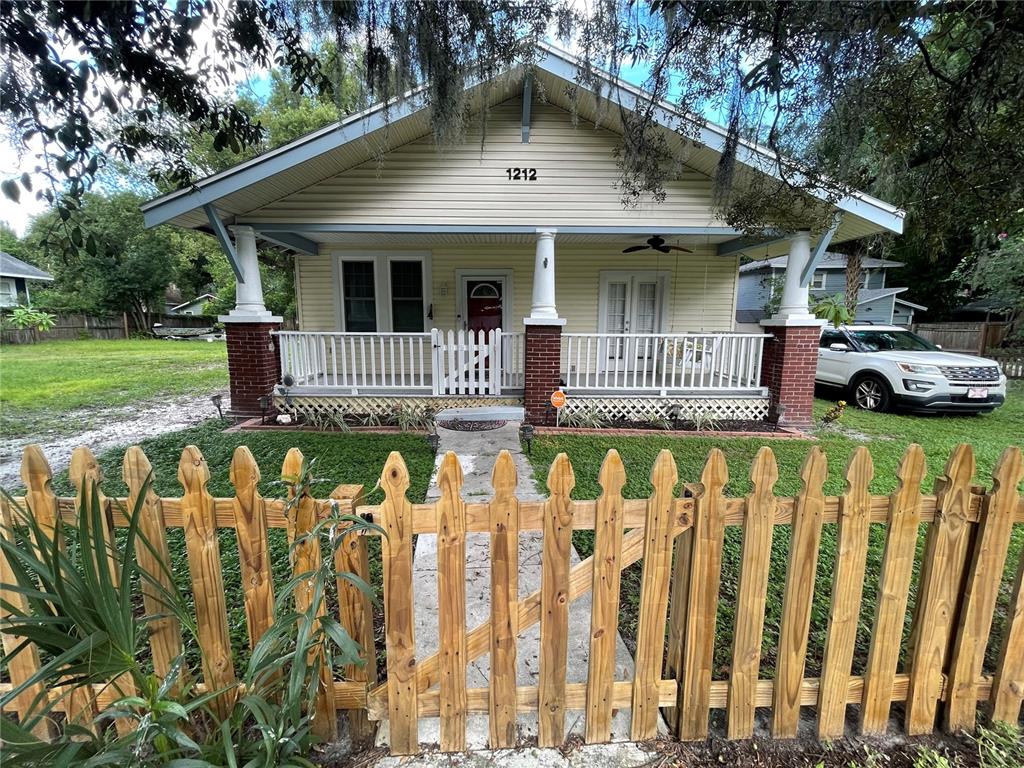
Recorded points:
(381,284)
(661,277)
(8,292)
(817,280)
(462,278)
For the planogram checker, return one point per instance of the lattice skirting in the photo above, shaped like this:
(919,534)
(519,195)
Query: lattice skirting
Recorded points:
(657,408)
(381,405)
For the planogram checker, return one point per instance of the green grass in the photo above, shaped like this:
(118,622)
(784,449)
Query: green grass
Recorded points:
(41,384)
(886,436)
(340,458)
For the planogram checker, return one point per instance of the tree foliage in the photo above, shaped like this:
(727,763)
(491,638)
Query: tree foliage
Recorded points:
(98,80)
(119,265)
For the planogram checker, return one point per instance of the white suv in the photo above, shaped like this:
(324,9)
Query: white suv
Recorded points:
(881,367)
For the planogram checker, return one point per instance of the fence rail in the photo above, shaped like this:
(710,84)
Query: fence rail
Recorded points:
(662,363)
(679,540)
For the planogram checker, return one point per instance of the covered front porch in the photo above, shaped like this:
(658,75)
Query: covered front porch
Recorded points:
(428,321)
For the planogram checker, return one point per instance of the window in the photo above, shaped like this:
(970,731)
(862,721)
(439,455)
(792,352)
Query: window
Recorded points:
(828,338)
(818,279)
(8,292)
(360,300)
(407,296)
(892,341)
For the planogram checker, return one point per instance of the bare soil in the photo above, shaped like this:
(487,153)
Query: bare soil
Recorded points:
(109,428)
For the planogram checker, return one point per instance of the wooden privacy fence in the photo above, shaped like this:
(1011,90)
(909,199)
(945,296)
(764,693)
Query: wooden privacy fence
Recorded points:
(971,337)
(678,538)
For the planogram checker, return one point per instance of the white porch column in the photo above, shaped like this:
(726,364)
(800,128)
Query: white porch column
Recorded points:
(249,306)
(543,305)
(795,303)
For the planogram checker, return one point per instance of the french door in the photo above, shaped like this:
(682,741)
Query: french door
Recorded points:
(631,303)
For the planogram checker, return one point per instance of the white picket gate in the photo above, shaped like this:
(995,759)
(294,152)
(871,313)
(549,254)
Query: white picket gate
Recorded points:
(467,362)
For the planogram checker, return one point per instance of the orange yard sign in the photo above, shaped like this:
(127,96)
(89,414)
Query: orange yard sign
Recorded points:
(558,398)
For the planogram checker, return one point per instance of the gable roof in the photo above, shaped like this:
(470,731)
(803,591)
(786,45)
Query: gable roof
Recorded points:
(356,139)
(196,300)
(829,261)
(12,267)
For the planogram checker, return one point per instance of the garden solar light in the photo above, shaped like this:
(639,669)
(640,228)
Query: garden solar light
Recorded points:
(526,435)
(216,400)
(264,407)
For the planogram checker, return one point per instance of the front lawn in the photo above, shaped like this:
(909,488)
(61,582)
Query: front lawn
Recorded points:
(886,435)
(42,384)
(340,458)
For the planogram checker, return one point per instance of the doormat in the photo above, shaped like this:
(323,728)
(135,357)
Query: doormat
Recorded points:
(463,425)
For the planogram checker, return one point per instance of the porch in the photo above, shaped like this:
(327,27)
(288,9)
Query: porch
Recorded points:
(649,376)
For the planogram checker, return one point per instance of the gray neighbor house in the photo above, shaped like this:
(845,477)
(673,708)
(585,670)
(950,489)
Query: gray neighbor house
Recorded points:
(877,302)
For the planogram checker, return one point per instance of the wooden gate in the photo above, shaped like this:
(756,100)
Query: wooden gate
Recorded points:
(467,362)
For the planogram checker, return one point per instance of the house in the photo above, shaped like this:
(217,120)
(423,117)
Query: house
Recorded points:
(497,272)
(876,302)
(15,275)
(196,306)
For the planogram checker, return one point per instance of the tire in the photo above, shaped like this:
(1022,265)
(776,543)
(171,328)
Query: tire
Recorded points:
(871,393)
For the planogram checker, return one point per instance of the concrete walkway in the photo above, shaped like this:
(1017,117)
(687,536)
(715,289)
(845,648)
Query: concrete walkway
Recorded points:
(477,452)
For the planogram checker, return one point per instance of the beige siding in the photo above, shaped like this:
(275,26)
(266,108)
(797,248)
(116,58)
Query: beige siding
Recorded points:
(316,287)
(701,286)
(468,185)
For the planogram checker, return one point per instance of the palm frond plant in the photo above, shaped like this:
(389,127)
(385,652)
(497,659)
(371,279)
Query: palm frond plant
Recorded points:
(88,626)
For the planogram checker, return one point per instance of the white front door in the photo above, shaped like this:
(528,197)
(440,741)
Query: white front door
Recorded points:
(630,304)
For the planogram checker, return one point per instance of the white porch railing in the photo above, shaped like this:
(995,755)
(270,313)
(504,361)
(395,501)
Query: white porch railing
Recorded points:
(436,362)
(357,361)
(663,363)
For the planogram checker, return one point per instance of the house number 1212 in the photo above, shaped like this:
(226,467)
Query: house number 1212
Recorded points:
(521,174)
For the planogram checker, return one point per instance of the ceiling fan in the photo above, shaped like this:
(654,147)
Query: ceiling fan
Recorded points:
(657,242)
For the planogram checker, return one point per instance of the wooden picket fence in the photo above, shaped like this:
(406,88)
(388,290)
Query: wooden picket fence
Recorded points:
(678,538)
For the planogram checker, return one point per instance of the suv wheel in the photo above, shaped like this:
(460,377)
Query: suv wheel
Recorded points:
(871,393)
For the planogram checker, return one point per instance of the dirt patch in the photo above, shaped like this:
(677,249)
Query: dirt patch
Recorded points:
(112,427)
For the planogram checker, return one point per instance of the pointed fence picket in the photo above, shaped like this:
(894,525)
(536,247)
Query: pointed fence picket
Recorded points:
(678,536)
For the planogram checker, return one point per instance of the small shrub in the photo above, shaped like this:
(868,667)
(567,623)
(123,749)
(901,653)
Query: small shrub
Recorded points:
(833,414)
(583,417)
(87,624)
(703,421)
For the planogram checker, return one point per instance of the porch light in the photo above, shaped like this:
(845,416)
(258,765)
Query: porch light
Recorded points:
(264,407)
(216,400)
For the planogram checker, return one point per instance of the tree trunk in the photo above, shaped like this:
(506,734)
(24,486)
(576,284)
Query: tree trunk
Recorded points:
(854,272)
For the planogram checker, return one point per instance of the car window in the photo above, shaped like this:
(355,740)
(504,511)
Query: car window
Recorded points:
(892,341)
(828,338)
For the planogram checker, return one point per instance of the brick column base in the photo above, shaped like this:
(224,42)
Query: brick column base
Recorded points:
(787,370)
(543,371)
(254,365)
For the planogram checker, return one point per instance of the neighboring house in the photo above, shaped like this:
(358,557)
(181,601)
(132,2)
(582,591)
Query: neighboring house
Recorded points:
(494,273)
(15,276)
(876,302)
(196,306)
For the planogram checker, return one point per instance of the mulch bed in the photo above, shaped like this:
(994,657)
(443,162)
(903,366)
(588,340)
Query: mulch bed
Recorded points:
(639,429)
